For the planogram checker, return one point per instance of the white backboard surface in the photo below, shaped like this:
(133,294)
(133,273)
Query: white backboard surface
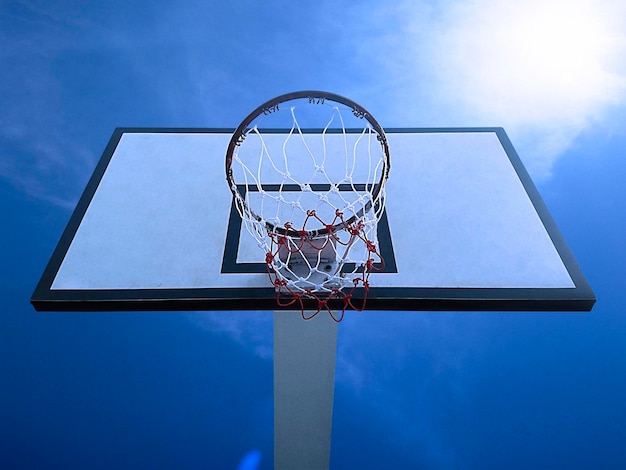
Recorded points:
(465,229)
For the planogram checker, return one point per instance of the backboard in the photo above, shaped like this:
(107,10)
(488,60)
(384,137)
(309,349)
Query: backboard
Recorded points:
(464,228)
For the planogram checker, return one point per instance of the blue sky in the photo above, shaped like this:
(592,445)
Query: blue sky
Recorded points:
(413,390)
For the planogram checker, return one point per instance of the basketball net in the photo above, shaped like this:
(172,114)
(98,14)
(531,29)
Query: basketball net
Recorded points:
(308,171)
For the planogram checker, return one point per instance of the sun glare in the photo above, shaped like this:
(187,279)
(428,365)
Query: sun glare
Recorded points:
(531,61)
(560,45)
(543,69)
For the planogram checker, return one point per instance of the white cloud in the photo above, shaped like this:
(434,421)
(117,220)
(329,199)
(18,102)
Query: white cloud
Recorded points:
(543,69)
(252,330)
(37,155)
(420,366)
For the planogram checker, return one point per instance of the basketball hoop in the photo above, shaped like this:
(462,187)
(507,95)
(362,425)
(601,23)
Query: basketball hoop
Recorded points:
(307,171)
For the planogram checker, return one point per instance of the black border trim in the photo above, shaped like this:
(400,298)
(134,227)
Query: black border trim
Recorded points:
(579,298)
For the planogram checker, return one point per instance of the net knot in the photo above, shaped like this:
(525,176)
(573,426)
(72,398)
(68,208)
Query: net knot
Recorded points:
(370,246)
(278,282)
(353,230)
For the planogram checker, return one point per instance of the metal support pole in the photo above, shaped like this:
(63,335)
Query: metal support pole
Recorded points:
(304,381)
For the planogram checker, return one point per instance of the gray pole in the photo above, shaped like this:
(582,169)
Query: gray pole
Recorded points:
(304,381)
